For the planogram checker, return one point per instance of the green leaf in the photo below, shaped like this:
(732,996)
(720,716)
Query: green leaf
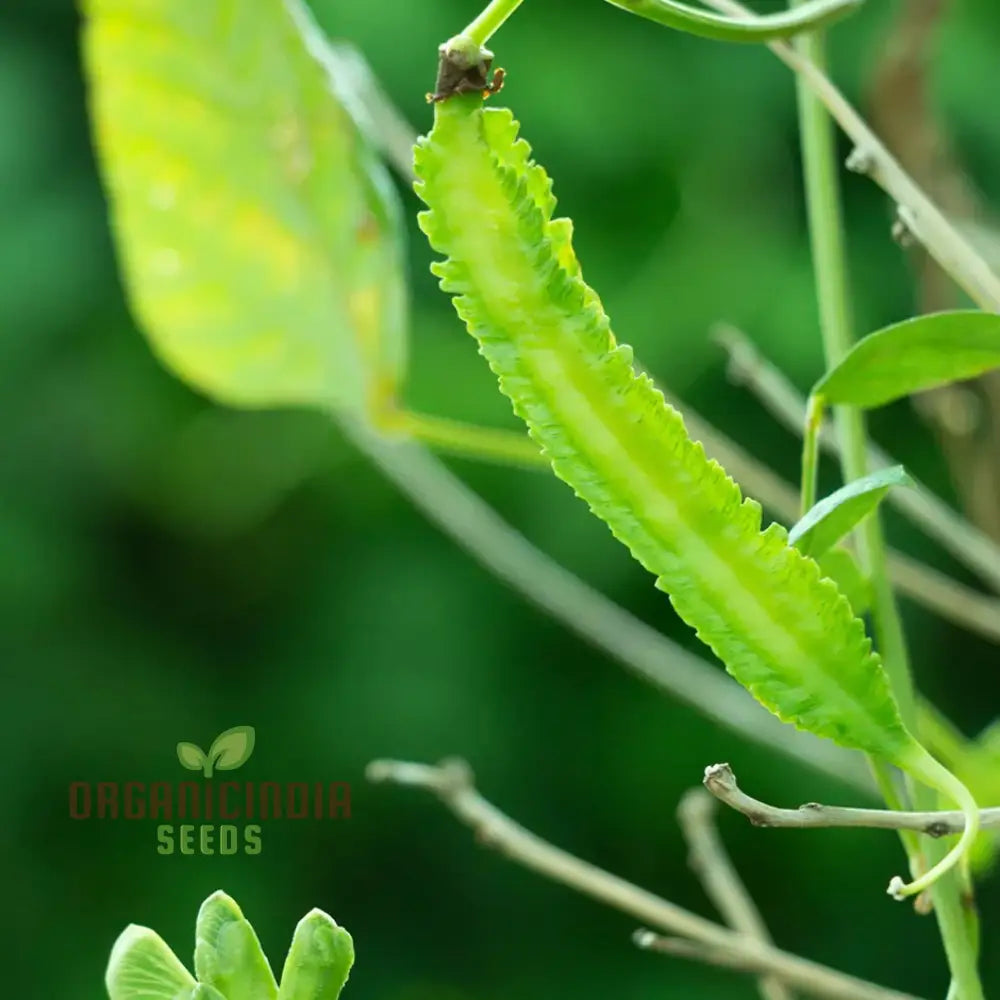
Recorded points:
(837,515)
(912,356)
(232,748)
(258,234)
(191,756)
(319,960)
(989,740)
(841,567)
(227,954)
(767,611)
(142,967)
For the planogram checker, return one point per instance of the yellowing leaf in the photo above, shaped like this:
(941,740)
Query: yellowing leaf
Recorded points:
(257,232)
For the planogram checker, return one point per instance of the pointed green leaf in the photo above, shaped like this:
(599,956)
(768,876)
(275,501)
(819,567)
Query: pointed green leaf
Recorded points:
(319,959)
(912,356)
(837,515)
(258,234)
(142,967)
(191,756)
(232,748)
(841,567)
(227,954)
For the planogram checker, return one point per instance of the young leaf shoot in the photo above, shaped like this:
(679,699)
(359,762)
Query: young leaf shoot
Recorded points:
(837,515)
(227,954)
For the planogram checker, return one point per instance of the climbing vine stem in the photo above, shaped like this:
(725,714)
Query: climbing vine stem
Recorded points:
(490,20)
(829,261)
(810,452)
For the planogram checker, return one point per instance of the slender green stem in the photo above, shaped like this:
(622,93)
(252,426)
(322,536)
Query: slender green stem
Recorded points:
(883,775)
(810,452)
(943,738)
(749,28)
(829,261)
(823,195)
(943,780)
(959,929)
(482,29)
(481,443)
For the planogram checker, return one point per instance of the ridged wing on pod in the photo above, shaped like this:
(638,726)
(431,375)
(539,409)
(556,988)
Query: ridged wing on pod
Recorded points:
(258,234)
(780,628)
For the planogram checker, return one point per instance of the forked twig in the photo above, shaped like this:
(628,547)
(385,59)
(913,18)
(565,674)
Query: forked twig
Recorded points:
(710,862)
(721,782)
(452,783)
(683,948)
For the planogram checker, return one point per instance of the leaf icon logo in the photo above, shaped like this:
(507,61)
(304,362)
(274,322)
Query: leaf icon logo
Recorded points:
(230,750)
(191,756)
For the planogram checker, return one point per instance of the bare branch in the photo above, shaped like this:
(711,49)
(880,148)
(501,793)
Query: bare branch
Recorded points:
(683,948)
(923,218)
(452,783)
(722,883)
(721,782)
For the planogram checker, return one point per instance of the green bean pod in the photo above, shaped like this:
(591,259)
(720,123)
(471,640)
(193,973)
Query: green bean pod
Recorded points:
(780,627)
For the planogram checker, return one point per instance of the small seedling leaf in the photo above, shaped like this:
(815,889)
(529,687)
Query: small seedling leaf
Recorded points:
(319,959)
(191,756)
(912,356)
(227,954)
(232,748)
(841,512)
(258,234)
(142,967)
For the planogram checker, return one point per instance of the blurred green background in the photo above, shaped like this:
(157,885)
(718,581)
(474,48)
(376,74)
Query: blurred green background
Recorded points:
(169,569)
